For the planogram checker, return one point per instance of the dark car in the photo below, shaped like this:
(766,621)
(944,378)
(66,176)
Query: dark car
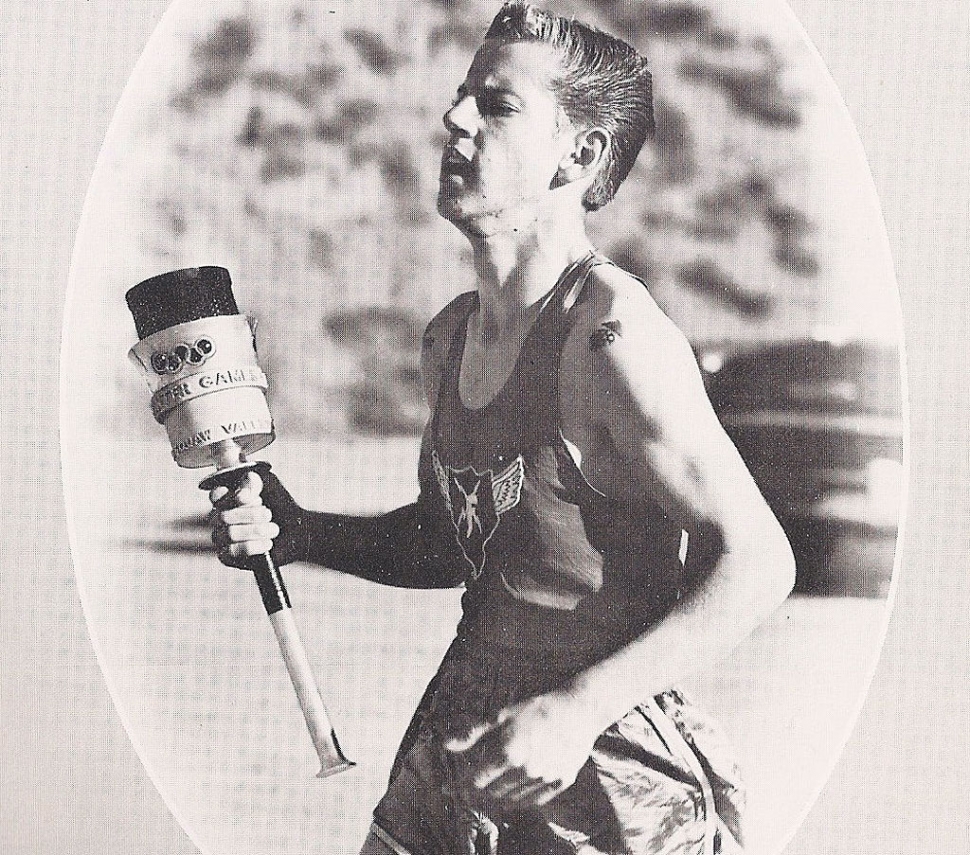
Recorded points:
(819,423)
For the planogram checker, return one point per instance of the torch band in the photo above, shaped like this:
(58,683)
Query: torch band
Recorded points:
(186,365)
(195,385)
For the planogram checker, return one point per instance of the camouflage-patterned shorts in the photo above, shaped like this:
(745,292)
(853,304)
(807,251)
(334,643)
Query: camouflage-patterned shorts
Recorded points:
(660,781)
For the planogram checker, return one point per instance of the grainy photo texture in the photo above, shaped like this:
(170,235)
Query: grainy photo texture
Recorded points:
(576,331)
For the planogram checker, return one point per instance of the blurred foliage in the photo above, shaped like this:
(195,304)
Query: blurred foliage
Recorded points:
(301,150)
(374,51)
(220,59)
(388,397)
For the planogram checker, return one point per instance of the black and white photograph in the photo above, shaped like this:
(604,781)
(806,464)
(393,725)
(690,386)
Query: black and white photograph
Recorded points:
(485,427)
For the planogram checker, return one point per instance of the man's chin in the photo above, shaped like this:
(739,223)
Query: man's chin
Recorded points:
(451,209)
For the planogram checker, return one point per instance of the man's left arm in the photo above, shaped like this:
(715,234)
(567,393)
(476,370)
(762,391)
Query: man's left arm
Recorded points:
(663,443)
(636,409)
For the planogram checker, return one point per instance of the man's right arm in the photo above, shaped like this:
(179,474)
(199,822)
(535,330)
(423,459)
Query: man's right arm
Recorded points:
(401,548)
(396,548)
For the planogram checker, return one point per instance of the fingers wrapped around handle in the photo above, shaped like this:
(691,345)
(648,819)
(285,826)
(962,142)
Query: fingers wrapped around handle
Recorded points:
(242,526)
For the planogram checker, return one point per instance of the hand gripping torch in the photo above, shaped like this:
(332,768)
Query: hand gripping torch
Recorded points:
(199,357)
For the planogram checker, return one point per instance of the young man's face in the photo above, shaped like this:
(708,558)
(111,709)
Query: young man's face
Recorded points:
(508,137)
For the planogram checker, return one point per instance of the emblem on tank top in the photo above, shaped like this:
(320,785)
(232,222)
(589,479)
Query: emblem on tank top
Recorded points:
(476,502)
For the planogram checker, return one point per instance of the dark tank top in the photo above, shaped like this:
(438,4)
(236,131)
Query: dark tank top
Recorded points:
(553,565)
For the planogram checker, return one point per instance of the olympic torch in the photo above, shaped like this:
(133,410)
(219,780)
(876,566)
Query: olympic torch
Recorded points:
(198,354)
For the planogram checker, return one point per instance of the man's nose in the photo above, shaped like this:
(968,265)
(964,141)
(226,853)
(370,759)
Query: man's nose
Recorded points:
(462,117)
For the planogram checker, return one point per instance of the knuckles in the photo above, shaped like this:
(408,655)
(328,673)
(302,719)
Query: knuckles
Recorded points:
(242,527)
(231,554)
(250,548)
(224,535)
(514,758)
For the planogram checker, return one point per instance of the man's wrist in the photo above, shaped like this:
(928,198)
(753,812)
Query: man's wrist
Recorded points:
(331,540)
(594,702)
(606,696)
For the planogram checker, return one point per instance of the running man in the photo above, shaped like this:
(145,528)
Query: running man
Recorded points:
(574,478)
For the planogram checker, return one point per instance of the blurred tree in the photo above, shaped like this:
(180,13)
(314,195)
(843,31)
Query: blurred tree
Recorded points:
(303,150)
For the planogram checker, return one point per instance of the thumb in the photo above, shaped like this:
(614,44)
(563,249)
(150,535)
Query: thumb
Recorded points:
(248,492)
(457,744)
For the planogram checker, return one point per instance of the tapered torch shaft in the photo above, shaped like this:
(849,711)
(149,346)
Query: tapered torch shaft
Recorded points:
(231,468)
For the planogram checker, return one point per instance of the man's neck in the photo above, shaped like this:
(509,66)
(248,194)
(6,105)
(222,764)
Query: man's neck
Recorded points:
(517,265)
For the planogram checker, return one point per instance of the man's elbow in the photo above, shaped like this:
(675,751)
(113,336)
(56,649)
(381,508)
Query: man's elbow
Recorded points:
(755,553)
(765,566)
(780,569)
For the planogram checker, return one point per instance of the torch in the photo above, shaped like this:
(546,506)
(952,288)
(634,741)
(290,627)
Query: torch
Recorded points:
(198,354)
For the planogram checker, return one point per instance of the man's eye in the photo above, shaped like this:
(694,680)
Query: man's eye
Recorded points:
(494,105)
(486,103)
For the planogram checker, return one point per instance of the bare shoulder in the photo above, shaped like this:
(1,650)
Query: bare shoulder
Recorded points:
(632,401)
(620,333)
(436,342)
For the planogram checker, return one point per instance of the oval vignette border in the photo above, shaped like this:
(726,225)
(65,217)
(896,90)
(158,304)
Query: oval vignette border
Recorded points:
(72,297)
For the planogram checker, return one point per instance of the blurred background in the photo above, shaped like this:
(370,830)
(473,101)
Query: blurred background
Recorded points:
(296,143)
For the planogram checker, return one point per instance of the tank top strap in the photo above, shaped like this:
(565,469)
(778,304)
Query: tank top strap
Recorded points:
(592,259)
(556,323)
(447,395)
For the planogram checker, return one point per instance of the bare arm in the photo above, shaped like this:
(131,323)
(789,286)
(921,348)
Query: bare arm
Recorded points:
(399,548)
(647,432)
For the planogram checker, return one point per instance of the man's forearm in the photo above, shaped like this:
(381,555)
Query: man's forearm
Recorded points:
(391,549)
(725,606)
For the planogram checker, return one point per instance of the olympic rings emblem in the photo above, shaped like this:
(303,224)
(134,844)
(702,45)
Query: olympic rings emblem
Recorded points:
(181,355)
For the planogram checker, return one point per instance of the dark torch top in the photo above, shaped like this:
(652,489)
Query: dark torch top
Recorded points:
(180,296)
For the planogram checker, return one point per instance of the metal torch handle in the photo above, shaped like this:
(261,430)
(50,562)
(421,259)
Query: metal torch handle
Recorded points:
(277,604)
(276,600)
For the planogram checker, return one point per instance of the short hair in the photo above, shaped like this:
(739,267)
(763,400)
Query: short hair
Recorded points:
(604,83)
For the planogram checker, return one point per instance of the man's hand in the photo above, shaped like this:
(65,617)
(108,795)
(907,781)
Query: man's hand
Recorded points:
(255,518)
(528,754)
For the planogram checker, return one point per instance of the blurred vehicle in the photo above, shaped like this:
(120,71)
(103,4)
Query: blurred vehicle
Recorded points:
(819,423)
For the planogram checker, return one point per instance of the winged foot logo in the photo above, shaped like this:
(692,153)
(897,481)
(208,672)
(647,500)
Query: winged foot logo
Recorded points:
(476,502)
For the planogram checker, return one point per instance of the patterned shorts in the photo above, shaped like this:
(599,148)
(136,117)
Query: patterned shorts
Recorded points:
(660,781)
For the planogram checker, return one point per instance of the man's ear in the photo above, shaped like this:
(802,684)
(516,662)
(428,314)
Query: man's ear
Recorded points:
(586,156)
